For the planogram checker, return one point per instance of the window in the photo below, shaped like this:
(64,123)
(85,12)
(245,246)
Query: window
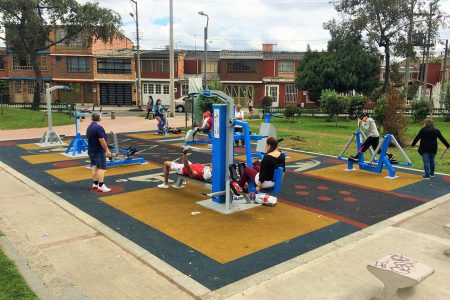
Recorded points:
(166,89)
(272,91)
(75,42)
(21,63)
(2,63)
(290,94)
(165,66)
(30,87)
(43,63)
(148,65)
(17,87)
(113,66)
(286,67)
(242,67)
(158,88)
(78,64)
(211,67)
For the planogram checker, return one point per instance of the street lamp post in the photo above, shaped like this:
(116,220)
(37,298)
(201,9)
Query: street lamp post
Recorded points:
(139,101)
(206,46)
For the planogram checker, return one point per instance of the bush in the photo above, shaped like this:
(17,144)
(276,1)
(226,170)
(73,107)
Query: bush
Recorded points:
(355,105)
(420,110)
(333,104)
(395,122)
(378,112)
(205,103)
(290,112)
(377,94)
(446,100)
(266,101)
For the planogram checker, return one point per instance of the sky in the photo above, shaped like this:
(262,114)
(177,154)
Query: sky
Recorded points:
(234,24)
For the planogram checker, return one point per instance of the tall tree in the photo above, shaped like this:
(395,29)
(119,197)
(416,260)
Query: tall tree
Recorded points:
(27,25)
(383,21)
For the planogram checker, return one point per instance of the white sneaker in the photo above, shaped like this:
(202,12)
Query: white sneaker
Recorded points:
(94,186)
(163,186)
(189,136)
(103,188)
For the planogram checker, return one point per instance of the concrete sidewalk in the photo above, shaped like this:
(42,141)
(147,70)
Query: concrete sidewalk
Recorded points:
(66,254)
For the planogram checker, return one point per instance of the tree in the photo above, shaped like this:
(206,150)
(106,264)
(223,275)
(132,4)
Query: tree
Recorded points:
(384,22)
(396,79)
(27,25)
(395,122)
(333,104)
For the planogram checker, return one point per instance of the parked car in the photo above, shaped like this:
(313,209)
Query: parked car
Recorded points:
(180,104)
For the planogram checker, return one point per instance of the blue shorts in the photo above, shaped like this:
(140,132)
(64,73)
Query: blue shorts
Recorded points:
(98,159)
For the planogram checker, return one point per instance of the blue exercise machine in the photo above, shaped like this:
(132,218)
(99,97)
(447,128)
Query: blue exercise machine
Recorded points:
(374,165)
(120,157)
(78,145)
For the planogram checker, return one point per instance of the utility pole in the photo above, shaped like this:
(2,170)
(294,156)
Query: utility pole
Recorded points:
(409,50)
(425,77)
(139,101)
(171,63)
(444,73)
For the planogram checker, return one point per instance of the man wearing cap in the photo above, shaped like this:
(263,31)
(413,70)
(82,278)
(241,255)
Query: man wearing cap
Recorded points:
(206,127)
(195,171)
(98,151)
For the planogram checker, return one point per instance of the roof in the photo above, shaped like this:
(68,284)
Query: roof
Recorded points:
(115,53)
(230,54)
(200,55)
(279,55)
(162,54)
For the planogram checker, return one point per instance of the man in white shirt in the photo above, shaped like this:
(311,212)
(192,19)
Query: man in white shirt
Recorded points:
(239,115)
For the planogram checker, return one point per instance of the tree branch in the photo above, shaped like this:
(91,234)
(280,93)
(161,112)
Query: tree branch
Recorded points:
(67,37)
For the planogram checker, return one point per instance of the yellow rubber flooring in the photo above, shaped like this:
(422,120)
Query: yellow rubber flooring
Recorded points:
(46,158)
(292,156)
(82,172)
(153,136)
(36,147)
(365,178)
(223,238)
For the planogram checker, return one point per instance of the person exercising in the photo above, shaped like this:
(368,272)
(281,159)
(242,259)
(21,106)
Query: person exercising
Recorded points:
(195,171)
(205,128)
(373,137)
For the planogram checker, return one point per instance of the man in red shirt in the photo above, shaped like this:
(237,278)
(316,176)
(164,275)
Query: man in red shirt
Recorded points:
(195,171)
(205,128)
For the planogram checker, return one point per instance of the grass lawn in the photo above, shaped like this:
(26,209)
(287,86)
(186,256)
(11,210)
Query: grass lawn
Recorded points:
(16,118)
(317,135)
(12,285)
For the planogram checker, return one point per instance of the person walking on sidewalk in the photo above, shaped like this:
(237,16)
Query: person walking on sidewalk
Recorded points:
(98,151)
(149,106)
(428,136)
(373,137)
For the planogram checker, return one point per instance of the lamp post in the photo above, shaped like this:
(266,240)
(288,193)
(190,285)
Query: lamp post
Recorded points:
(206,46)
(139,101)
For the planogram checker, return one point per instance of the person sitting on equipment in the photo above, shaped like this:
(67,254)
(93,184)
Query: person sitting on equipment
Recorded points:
(159,116)
(195,171)
(205,128)
(261,175)
(373,137)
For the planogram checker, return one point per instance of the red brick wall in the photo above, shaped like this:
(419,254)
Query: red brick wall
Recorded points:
(192,66)
(434,73)
(224,76)
(59,69)
(270,68)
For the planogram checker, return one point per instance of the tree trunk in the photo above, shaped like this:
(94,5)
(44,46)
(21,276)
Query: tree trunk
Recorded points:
(387,68)
(39,81)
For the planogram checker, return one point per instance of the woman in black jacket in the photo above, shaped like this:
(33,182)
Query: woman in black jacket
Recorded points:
(428,136)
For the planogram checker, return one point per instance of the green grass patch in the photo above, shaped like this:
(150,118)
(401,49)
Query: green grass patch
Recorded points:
(12,284)
(314,134)
(16,118)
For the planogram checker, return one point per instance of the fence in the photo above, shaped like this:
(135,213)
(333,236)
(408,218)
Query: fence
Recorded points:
(438,112)
(61,107)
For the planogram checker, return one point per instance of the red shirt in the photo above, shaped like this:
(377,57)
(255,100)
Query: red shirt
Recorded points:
(198,170)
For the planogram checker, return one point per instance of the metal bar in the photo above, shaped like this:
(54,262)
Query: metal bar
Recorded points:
(394,141)
(376,151)
(347,145)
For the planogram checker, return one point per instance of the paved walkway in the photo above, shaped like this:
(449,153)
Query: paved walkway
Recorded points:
(66,254)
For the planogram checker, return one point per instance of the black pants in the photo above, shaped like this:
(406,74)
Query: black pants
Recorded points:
(371,141)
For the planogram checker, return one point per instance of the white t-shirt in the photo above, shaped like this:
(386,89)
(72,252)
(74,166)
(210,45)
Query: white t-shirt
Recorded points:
(239,115)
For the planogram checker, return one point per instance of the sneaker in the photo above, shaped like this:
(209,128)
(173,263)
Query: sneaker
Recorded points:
(233,172)
(353,158)
(426,177)
(237,190)
(103,189)
(163,186)
(390,156)
(189,136)
(241,168)
(432,176)
(94,186)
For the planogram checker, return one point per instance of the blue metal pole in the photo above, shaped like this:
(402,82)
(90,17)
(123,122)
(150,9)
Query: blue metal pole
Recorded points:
(219,142)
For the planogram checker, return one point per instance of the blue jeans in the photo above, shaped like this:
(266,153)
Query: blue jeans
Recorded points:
(428,163)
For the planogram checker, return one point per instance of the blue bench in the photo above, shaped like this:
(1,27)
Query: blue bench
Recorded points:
(278,179)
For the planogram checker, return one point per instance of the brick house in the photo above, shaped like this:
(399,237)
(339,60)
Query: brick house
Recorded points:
(76,64)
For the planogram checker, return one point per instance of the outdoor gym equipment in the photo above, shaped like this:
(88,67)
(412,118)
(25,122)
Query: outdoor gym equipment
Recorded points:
(374,165)
(78,145)
(50,137)
(120,157)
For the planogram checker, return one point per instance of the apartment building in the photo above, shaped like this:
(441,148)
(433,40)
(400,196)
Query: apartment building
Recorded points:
(101,73)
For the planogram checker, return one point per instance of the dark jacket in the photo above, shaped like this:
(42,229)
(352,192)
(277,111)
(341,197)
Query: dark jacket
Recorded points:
(428,140)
